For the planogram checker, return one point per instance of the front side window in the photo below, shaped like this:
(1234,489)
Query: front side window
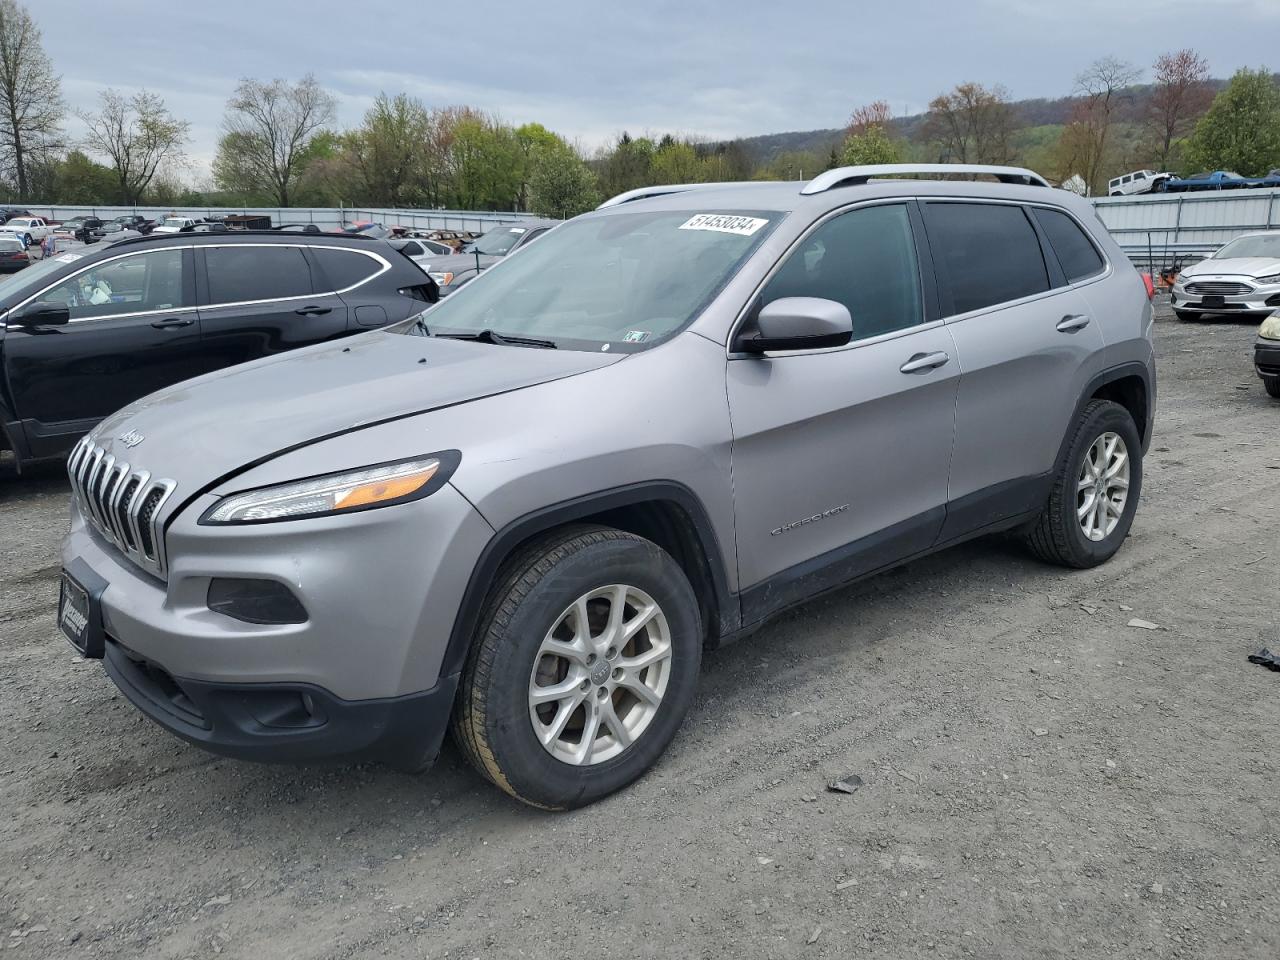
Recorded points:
(619,281)
(989,251)
(146,281)
(242,273)
(865,259)
(1076,254)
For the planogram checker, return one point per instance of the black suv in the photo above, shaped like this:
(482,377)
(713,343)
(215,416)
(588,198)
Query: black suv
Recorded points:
(85,333)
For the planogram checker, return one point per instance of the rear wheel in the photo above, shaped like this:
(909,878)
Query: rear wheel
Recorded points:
(584,668)
(1188,315)
(1095,494)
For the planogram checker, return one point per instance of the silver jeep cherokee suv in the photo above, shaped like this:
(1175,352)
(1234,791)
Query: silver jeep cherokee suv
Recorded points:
(524,513)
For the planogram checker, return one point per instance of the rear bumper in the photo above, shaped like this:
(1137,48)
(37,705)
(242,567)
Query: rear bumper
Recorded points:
(285,722)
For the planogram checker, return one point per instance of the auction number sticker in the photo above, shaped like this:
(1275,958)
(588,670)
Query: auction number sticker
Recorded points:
(68,258)
(723,223)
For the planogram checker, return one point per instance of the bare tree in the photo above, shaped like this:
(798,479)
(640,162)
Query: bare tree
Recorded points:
(31,106)
(268,128)
(972,124)
(138,134)
(875,114)
(1101,91)
(1180,97)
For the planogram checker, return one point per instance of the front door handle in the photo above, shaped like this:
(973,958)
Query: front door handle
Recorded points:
(925,361)
(172,322)
(1073,322)
(312,311)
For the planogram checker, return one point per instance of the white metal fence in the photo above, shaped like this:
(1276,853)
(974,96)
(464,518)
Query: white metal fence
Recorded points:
(327,218)
(1168,230)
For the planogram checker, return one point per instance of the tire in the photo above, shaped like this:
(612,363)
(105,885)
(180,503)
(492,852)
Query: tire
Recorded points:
(1188,316)
(1058,535)
(1272,385)
(537,593)
(26,239)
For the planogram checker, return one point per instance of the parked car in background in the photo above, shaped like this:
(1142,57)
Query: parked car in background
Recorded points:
(1140,181)
(174,224)
(8,213)
(1215,180)
(297,228)
(1242,276)
(85,333)
(421,252)
(524,513)
(132,221)
(452,272)
(30,229)
(14,255)
(1266,354)
(86,229)
(111,232)
(368,228)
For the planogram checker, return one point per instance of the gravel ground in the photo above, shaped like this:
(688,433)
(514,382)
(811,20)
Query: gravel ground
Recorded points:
(1040,779)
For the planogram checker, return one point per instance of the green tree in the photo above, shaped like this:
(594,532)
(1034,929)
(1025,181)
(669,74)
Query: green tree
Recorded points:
(79,180)
(873,146)
(483,162)
(560,184)
(268,127)
(675,162)
(1241,130)
(627,165)
(388,148)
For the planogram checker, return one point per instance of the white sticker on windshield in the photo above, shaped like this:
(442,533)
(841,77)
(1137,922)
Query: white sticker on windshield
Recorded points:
(722,223)
(68,257)
(516,230)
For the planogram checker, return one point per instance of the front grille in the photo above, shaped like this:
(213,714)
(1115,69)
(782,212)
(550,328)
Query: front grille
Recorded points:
(1210,288)
(121,503)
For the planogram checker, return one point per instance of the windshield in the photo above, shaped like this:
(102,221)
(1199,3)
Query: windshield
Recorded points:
(1259,246)
(176,221)
(622,281)
(499,241)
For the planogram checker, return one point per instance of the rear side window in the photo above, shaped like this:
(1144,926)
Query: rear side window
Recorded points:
(865,259)
(990,252)
(345,268)
(241,273)
(1076,253)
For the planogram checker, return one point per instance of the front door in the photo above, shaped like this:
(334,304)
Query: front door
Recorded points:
(840,456)
(261,299)
(133,330)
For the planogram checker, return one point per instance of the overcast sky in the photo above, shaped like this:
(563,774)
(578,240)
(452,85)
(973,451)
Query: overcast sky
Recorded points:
(592,69)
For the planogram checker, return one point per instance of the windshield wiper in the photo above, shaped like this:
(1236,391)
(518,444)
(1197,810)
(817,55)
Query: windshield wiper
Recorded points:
(501,339)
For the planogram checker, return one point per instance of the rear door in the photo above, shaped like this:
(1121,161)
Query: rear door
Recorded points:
(358,277)
(134,329)
(1026,342)
(261,299)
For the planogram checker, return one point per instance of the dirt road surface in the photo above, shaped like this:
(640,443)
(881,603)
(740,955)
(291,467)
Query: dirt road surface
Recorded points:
(1040,779)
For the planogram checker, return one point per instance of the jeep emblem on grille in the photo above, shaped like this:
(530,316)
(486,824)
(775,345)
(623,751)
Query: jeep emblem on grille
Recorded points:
(131,439)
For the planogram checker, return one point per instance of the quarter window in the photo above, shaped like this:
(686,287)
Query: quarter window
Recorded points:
(990,252)
(243,273)
(1076,254)
(344,268)
(865,259)
(147,281)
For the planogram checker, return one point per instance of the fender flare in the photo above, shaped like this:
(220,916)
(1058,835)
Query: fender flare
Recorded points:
(1130,368)
(506,540)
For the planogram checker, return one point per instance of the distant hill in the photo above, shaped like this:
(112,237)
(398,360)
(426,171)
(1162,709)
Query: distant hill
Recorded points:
(1036,112)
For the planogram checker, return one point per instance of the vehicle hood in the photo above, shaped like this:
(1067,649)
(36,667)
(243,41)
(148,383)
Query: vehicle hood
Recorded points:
(204,429)
(1235,267)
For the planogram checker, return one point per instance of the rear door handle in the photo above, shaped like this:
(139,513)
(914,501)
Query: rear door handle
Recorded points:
(172,322)
(1073,322)
(925,361)
(312,311)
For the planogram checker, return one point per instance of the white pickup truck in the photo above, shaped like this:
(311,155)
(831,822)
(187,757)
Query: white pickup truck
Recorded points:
(30,229)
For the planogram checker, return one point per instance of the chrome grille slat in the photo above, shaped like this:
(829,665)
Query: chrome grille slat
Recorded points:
(112,496)
(1215,288)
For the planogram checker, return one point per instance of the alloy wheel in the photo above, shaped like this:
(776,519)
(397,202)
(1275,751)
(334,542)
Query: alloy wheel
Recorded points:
(1102,488)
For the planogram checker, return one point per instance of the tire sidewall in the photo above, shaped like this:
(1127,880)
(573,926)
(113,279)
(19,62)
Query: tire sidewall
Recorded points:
(1111,418)
(532,772)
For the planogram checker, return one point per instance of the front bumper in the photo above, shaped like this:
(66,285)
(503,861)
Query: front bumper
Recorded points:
(359,679)
(1259,299)
(1266,358)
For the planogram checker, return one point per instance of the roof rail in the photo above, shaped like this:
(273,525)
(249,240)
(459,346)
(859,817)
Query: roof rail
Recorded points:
(855,176)
(146,237)
(660,191)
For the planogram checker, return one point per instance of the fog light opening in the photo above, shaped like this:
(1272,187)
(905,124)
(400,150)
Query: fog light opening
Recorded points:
(266,602)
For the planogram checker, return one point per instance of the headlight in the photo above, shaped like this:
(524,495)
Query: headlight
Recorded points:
(443,279)
(1270,329)
(378,486)
(1274,278)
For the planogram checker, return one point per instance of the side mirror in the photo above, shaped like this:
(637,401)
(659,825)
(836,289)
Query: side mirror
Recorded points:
(800,323)
(43,313)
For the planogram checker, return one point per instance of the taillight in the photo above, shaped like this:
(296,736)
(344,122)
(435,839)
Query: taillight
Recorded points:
(1151,287)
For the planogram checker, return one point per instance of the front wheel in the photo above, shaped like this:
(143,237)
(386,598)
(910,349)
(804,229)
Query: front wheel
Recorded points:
(26,239)
(1272,385)
(1095,494)
(585,665)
